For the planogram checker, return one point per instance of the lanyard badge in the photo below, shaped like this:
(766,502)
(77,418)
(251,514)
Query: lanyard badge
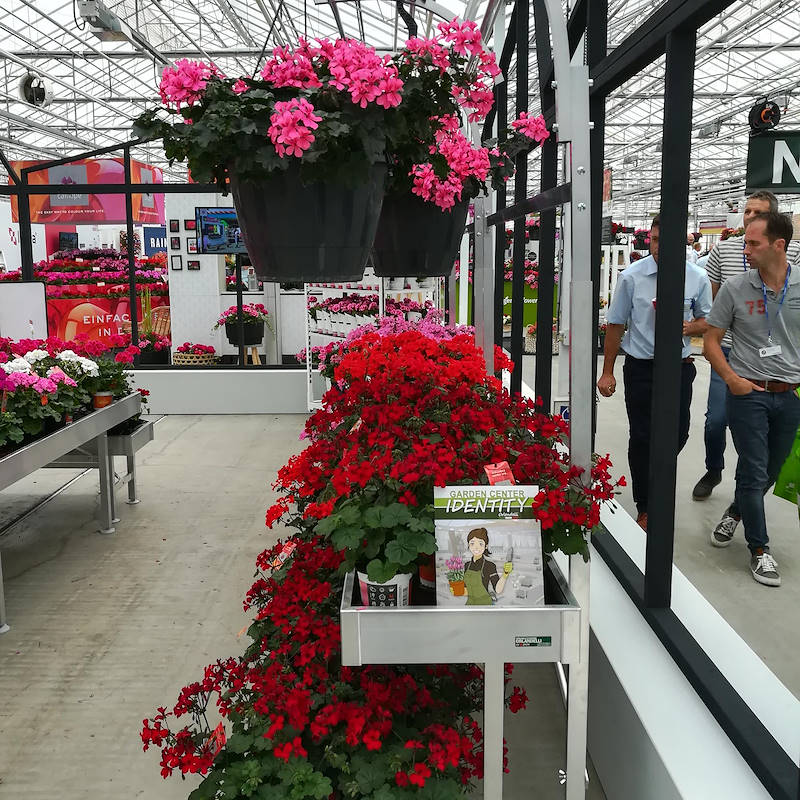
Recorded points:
(773,349)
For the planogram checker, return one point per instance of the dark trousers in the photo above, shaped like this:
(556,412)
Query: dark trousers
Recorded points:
(763,425)
(638,377)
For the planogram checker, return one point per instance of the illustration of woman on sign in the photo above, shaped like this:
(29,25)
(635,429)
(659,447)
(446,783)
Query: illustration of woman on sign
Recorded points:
(481,578)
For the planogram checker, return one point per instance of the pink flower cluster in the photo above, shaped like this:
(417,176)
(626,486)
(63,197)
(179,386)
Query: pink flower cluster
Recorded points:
(196,349)
(185,82)
(251,312)
(348,65)
(30,380)
(438,52)
(291,126)
(354,304)
(463,160)
(357,68)
(465,36)
(534,128)
(292,67)
(407,306)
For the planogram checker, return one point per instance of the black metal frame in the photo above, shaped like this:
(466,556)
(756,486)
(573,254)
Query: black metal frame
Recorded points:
(22,189)
(671,30)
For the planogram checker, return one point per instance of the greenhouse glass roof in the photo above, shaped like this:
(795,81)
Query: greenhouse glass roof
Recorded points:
(98,86)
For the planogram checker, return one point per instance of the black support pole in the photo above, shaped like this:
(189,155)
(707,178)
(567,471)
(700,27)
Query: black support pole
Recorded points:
(25,232)
(520,193)
(239,312)
(596,47)
(547,282)
(678,91)
(501,104)
(126,155)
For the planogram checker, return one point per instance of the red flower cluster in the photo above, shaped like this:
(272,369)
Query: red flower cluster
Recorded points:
(288,695)
(408,412)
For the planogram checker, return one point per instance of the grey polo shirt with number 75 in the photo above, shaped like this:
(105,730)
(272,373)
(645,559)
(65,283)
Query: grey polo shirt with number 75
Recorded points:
(739,308)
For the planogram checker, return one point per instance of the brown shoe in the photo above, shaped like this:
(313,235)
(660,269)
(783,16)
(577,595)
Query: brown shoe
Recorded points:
(641,521)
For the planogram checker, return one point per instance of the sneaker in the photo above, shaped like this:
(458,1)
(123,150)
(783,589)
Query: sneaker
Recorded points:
(722,535)
(706,484)
(641,521)
(765,568)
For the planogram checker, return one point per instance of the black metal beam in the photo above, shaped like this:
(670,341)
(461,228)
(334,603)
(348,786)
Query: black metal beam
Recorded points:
(543,382)
(768,760)
(520,193)
(126,155)
(504,63)
(667,366)
(545,200)
(108,188)
(501,104)
(648,42)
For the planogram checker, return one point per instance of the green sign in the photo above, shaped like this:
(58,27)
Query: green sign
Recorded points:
(773,162)
(533,641)
(529,302)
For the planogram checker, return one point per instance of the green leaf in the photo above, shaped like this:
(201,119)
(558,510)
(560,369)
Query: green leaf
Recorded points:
(326,526)
(348,537)
(380,571)
(371,774)
(240,742)
(394,515)
(372,517)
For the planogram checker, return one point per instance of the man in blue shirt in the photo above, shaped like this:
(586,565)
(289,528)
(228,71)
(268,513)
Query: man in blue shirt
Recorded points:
(634,305)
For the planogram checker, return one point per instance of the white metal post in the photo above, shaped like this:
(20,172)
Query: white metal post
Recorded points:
(493,706)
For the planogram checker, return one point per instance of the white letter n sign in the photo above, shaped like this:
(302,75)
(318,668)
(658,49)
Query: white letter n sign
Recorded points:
(783,155)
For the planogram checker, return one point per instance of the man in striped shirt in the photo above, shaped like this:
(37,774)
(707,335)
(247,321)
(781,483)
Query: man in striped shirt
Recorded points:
(726,260)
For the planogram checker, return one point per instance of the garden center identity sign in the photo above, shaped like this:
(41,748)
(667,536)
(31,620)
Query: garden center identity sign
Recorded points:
(488,546)
(773,162)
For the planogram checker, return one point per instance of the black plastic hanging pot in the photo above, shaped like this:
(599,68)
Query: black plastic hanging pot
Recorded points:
(253,333)
(315,232)
(416,238)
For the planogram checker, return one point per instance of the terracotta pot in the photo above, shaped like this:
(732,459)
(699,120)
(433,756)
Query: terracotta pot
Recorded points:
(427,573)
(457,588)
(102,399)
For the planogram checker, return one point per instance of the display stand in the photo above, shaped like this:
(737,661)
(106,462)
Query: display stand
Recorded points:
(478,634)
(89,435)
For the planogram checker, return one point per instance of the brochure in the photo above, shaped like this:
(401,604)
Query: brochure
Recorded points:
(489,546)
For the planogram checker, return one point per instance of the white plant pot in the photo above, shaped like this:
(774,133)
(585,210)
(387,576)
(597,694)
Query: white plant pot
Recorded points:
(394,592)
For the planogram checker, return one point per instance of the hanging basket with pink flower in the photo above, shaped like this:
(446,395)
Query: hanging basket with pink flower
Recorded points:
(302,144)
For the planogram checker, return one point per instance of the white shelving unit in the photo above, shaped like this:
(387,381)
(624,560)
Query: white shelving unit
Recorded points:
(332,327)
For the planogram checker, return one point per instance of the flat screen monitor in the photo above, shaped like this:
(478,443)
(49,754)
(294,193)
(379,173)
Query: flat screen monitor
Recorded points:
(218,231)
(67,241)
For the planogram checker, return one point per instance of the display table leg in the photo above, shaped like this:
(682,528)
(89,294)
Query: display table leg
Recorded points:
(106,485)
(494,701)
(131,465)
(4,627)
(578,692)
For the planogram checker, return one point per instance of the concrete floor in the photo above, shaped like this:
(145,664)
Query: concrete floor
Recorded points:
(104,629)
(763,616)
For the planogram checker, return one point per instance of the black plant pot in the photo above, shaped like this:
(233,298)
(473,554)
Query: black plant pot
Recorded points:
(318,232)
(154,357)
(253,334)
(417,238)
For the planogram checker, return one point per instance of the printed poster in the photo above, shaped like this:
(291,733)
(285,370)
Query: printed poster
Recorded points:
(489,546)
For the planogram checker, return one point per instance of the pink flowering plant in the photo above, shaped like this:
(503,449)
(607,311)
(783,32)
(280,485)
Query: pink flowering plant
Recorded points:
(325,105)
(336,107)
(252,314)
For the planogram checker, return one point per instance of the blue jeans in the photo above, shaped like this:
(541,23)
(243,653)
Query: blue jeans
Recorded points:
(716,421)
(763,425)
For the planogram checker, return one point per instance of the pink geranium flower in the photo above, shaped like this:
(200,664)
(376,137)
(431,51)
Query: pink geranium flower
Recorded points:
(185,82)
(291,126)
(533,127)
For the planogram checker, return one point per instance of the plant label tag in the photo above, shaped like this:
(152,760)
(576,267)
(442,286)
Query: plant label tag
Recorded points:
(772,350)
(94,269)
(284,554)
(499,474)
(217,740)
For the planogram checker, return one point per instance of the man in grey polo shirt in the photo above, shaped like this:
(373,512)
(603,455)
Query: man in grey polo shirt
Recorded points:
(725,261)
(761,308)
